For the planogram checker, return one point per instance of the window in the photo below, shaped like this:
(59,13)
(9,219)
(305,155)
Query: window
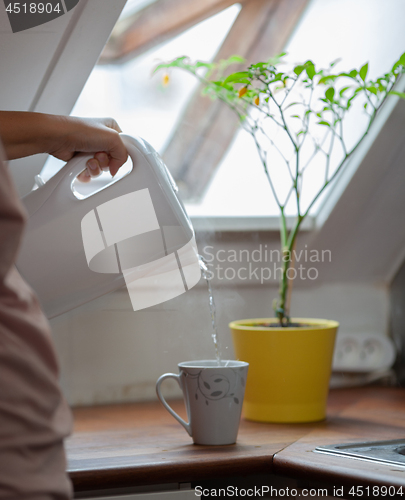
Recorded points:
(328,30)
(226,178)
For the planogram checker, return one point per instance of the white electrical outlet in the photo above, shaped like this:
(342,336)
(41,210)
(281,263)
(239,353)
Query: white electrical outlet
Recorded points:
(362,352)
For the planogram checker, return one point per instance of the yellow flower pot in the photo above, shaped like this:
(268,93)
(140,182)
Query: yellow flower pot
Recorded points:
(289,368)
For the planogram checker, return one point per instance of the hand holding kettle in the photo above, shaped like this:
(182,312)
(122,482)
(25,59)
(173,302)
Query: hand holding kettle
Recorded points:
(26,134)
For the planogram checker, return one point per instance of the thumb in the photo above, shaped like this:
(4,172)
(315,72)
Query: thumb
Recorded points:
(118,156)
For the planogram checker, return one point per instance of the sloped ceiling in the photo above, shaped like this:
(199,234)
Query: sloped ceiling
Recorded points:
(365,229)
(45,68)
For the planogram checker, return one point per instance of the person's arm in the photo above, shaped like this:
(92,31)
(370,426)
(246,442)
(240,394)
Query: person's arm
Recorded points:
(26,134)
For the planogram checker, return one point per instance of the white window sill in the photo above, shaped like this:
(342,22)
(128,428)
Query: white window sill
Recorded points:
(251,223)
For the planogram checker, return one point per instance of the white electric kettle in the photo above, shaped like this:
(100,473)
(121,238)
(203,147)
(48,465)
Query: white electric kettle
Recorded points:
(134,232)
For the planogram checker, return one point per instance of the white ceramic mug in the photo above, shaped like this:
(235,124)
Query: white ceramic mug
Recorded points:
(213,393)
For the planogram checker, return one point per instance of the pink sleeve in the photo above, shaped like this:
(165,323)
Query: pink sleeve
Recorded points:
(34,417)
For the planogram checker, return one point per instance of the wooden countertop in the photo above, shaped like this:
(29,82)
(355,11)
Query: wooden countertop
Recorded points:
(140,444)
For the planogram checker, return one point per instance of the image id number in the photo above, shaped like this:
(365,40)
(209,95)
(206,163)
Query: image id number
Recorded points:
(32,8)
(376,491)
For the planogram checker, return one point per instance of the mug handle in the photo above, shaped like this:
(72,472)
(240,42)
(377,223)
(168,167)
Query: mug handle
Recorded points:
(186,425)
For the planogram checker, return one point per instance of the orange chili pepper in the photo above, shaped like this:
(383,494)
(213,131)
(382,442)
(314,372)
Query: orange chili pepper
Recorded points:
(242,91)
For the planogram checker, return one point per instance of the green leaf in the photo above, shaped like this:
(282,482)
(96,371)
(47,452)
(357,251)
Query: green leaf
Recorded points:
(335,62)
(239,77)
(329,94)
(298,69)
(328,78)
(363,72)
(372,89)
(343,90)
(395,66)
(400,62)
(292,104)
(310,69)
(176,63)
(273,61)
(322,122)
(353,73)
(201,64)
(235,59)
(259,65)
(217,85)
(226,86)
(399,94)
(158,67)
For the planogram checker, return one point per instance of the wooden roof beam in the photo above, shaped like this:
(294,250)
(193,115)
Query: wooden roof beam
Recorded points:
(155,24)
(207,127)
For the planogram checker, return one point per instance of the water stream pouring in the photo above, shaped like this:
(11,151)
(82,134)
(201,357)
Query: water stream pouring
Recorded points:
(134,232)
(206,274)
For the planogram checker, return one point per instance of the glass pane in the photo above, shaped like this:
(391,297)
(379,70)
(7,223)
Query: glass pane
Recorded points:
(355,31)
(139,101)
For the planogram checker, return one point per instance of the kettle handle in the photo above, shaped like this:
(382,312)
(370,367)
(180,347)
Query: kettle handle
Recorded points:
(78,163)
(62,180)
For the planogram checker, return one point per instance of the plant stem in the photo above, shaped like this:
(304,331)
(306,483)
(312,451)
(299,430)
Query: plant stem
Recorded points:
(287,250)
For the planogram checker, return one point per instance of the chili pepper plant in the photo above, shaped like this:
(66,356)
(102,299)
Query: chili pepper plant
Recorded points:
(299,112)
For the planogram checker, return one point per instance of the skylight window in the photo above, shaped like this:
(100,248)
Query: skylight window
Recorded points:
(139,101)
(152,106)
(355,32)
